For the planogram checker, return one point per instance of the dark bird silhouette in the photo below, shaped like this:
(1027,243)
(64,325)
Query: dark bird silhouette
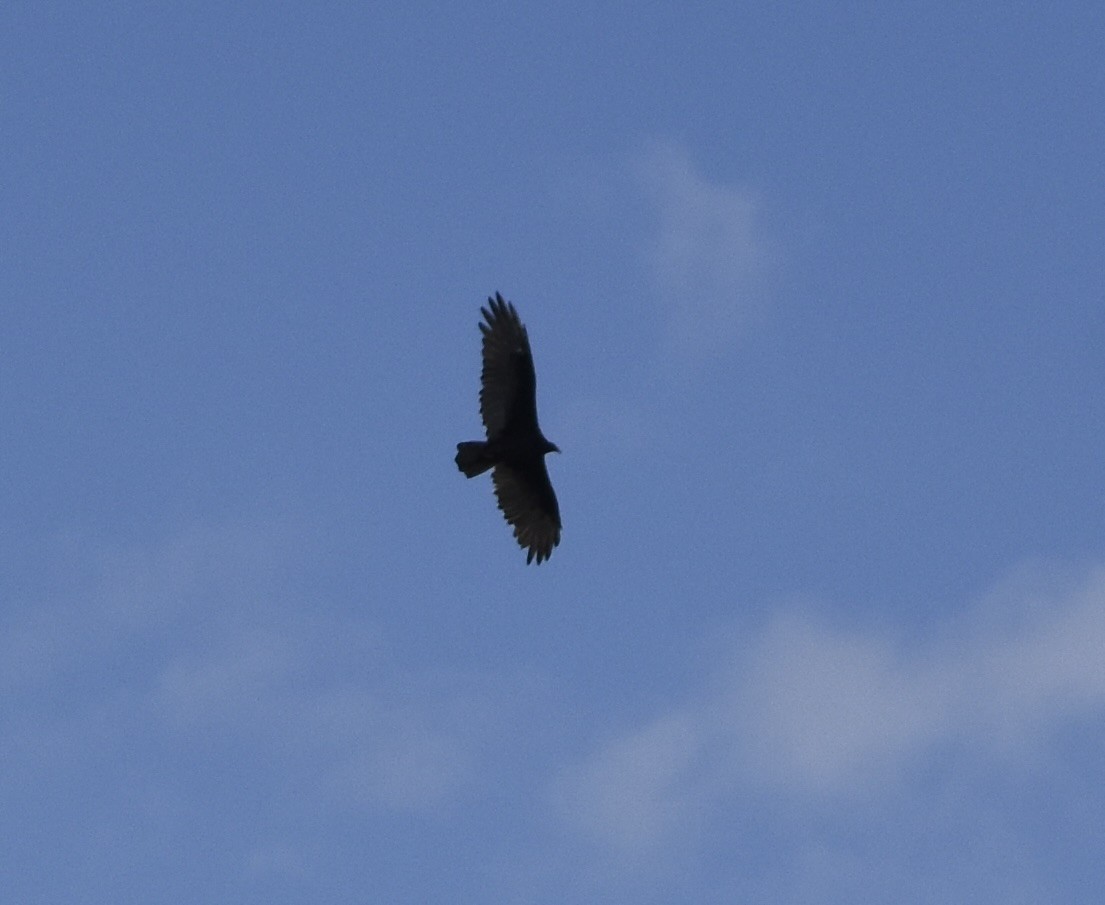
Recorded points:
(515,447)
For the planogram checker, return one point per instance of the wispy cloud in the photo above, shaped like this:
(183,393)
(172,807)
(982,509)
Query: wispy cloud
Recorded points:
(361,731)
(808,711)
(104,598)
(211,694)
(708,254)
(639,784)
(194,638)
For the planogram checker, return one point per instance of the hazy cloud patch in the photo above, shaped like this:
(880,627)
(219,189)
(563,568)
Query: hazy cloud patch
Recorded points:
(815,711)
(638,787)
(189,644)
(707,252)
(360,730)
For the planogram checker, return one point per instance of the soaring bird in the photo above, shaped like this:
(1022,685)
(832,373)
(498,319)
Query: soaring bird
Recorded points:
(515,448)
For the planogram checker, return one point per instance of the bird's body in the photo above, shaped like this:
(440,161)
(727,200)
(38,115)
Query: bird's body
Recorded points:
(515,448)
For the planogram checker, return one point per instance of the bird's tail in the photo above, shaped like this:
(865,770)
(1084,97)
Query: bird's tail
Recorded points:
(472,458)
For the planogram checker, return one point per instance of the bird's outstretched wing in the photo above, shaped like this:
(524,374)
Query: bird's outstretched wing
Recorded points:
(508,385)
(528,502)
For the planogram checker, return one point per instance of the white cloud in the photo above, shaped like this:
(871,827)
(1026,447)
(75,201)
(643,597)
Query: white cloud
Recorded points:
(822,707)
(708,254)
(191,637)
(639,786)
(402,759)
(108,597)
(362,734)
(810,711)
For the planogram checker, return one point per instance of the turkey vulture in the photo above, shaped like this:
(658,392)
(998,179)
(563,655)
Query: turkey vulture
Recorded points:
(515,447)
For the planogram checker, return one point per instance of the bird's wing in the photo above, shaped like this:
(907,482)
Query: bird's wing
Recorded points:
(528,502)
(508,384)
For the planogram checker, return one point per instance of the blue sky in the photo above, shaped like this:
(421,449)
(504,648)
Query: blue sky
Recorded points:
(817,301)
